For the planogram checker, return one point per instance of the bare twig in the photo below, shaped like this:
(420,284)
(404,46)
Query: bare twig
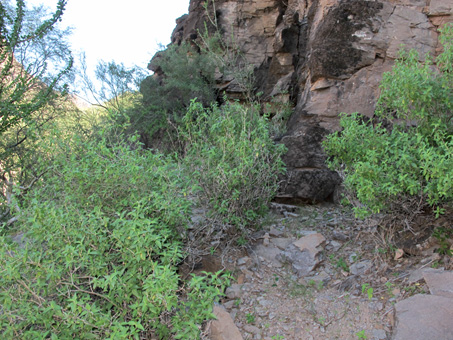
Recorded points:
(77,289)
(38,298)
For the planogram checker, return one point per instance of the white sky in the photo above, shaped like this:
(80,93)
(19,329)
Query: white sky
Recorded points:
(126,31)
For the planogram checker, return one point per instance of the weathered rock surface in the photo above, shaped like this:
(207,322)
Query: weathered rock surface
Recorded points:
(424,316)
(224,328)
(323,56)
(312,243)
(440,284)
(419,274)
(322,278)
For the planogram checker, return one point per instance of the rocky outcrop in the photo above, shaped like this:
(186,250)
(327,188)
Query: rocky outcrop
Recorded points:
(326,57)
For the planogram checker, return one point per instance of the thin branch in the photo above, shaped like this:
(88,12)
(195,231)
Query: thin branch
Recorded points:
(39,298)
(77,289)
(11,221)
(28,187)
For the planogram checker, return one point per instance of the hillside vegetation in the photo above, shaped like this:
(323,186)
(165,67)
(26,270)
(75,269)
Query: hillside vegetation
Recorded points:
(94,223)
(96,205)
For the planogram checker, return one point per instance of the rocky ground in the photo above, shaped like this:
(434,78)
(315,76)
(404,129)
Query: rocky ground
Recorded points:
(315,272)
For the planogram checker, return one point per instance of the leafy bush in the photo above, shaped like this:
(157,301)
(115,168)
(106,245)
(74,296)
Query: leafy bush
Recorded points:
(186,74)
(102,239)
(232,159)
(412,160)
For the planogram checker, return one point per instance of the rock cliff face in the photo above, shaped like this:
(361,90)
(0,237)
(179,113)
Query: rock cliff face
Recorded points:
(326,57)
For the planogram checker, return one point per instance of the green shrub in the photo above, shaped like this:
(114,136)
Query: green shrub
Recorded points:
(187,74)
(232,159)
(103,245)
(411,161)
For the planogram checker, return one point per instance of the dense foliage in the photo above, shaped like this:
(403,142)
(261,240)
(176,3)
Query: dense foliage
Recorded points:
(93,224)
(404,162)
(103,230)
(232,159)
(101,245)
(184,74)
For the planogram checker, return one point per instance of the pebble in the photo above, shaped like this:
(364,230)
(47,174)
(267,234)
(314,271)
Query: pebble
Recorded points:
(266,239)
(261,312)
(306,232)
(229,304)
(360,268)
(396,291)
(248,274)
(377,306)
(243,261)
(275,232)
(333,246)
(251,329)
(379,334)
(290,214)
(265,303)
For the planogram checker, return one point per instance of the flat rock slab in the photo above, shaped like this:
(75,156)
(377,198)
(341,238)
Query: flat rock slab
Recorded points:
(311,243)
(304,254)
(423,317)
(418,275)
(440,283)
(302,262)
(224,328)
(281,243)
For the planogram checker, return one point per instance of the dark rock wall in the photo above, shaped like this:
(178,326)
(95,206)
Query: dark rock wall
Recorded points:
(327,57)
